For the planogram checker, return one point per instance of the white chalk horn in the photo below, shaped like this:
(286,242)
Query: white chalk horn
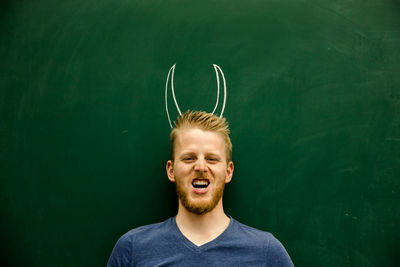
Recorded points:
(171,73)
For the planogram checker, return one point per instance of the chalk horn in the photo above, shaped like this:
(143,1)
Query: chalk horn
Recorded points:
(171,73)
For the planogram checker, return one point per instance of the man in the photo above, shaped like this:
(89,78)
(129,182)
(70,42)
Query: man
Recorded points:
(201,234)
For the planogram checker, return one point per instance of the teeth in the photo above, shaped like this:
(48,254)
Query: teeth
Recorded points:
(200,182)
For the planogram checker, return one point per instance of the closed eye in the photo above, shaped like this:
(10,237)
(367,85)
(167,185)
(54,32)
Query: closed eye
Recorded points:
(188,158)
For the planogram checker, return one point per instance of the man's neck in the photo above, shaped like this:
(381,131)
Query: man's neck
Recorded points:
(201,229)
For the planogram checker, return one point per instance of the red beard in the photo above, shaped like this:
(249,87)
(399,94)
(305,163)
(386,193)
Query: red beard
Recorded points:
(201,206)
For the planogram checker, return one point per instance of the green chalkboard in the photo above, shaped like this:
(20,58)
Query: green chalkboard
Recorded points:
(313,103)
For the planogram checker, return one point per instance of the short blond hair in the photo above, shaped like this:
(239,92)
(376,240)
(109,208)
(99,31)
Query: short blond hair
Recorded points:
(206,122)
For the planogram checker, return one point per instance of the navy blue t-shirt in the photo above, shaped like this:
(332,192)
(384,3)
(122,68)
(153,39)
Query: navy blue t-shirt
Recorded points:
(162,244)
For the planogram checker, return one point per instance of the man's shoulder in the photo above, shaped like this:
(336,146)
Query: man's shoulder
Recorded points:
(147,232)
(252,233)
(275,252)
(257,238)
(139,241)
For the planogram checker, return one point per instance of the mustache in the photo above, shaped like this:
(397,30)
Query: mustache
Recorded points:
(201,175)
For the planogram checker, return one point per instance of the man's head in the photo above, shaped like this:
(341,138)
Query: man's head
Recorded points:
(206,122)
(200,164)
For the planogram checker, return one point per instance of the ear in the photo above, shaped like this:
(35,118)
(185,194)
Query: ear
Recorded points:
(229,172)
(170,171)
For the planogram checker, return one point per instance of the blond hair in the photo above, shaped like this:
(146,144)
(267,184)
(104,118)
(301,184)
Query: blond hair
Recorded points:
(206,122)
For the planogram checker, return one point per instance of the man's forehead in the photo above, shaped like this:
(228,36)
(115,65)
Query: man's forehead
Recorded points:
(196,132)
(197,136)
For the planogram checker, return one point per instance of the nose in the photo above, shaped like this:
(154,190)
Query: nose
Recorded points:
(200,165)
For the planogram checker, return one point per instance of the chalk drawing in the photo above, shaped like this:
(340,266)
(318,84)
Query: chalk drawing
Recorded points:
(171,73)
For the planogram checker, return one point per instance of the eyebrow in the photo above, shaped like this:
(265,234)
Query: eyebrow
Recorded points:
(214,155)
(207,154)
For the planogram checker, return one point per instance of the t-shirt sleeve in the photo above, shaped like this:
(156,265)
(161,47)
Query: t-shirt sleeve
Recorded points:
(277,255)
(121,256)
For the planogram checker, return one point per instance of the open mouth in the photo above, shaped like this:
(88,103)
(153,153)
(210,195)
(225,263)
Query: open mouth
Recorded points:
(200,183)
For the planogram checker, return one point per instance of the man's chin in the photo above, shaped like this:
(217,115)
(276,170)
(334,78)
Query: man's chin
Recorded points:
(199,207)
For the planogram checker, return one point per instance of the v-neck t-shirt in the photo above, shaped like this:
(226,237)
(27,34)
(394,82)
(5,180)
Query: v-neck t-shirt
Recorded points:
(163,244)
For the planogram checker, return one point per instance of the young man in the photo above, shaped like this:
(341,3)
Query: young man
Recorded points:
(201,234)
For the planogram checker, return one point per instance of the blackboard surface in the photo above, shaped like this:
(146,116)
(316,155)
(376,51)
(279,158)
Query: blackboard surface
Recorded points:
(313,104)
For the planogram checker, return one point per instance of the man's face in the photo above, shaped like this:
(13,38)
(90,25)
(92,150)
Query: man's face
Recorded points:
(199,170)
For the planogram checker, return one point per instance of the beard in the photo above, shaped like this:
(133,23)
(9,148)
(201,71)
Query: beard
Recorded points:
(199,207)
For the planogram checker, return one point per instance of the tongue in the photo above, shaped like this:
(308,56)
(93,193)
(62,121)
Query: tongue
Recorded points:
(200,185)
